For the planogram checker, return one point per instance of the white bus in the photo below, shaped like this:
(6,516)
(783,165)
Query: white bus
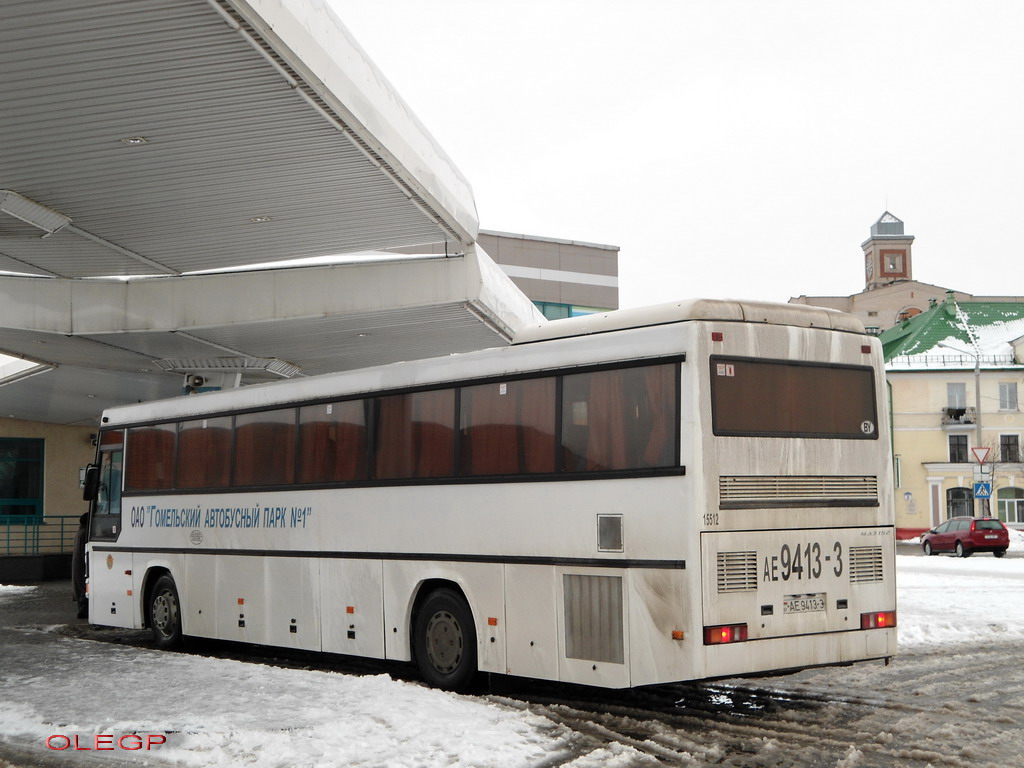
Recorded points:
(693,490)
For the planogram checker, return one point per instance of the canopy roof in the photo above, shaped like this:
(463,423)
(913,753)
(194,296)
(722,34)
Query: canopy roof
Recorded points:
(155,139)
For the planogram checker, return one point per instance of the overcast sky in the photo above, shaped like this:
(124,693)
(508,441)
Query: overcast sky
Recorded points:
(730,148)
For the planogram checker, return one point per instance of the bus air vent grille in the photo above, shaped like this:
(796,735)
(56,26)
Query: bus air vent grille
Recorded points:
(768,491)
(866,564)
(737,571)
(594,628)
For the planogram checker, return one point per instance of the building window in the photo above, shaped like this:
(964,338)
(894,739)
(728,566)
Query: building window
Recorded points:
(894,263)
(956,395)
(958,449)
(1007,396)
(1011,505)
(1009,449)
(556,311)
(959,502)
(21,476)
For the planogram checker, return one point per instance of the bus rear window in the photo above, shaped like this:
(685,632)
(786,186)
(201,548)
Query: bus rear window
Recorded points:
(769,398)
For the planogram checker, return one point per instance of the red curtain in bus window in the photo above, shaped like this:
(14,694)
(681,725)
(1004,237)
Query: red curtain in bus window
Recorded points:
(661,417)
(434,433)
(415,435)
(204,453)
(508,428)
(332,442)
(264,448)
(149,458)
(619,419)
(606,445)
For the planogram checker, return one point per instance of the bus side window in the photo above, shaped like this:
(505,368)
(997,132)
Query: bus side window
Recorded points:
(620,419)
(106,517)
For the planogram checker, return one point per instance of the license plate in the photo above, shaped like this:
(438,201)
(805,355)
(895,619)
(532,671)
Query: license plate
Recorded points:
(803,603)
(991,535)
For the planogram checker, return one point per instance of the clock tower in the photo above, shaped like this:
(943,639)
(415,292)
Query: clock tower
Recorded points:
(886,253)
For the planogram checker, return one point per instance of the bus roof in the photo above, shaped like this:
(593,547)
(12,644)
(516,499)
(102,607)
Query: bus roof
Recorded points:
(686,310)
(472,364)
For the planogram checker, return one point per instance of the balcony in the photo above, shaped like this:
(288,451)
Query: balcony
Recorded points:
(953,417)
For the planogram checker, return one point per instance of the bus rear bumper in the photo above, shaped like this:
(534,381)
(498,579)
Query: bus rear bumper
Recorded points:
(762,656)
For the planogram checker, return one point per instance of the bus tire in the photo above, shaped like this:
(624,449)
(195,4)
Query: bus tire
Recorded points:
(164,613)
(444,641)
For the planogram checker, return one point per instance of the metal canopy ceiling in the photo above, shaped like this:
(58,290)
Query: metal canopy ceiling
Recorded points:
(166,137)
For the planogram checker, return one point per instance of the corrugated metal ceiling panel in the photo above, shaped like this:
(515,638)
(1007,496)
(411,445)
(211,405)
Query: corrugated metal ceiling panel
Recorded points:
(227,141)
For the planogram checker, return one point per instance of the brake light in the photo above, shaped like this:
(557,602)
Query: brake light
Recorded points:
(878,620)
(728,633)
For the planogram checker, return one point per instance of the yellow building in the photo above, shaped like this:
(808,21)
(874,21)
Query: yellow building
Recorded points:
(955,375)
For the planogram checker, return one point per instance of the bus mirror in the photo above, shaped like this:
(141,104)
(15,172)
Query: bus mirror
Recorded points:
(92,482)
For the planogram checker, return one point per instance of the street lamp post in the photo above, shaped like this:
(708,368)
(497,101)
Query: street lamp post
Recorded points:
(977,403)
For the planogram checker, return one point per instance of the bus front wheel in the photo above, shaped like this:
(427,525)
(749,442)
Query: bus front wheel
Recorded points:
(444,641)
(165,613)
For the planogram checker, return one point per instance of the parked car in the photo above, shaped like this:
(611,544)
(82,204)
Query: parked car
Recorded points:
(967,535)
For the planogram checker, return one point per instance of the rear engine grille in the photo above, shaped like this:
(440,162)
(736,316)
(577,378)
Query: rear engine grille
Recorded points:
(737,571)
(768,491)
(866,564)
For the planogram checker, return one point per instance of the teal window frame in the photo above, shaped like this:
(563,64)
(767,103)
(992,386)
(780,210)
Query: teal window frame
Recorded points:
(35,502)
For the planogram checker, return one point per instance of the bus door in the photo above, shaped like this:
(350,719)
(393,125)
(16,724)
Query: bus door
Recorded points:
(110,572)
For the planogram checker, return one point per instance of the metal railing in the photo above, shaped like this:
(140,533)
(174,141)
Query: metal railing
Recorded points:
(950,361)
(958,416)
(30,535)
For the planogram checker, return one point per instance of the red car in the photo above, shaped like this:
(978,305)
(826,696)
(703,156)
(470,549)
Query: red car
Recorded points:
(967,535)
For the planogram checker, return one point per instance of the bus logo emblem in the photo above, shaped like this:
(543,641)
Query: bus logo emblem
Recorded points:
(196,537)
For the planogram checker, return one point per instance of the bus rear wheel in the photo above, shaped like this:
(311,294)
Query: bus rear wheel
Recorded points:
(165,613)
(444,641)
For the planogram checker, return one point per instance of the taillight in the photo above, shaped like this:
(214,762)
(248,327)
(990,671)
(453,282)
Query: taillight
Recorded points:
(728,633)
(878,620)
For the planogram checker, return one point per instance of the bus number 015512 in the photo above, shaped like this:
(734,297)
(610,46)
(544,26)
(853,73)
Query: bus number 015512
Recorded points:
(803,562)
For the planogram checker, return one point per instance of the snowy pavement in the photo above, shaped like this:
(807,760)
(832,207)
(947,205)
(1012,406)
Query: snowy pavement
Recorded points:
(222,712)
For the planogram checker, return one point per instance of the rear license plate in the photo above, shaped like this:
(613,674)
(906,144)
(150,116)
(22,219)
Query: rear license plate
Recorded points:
(991,535)
(804,603)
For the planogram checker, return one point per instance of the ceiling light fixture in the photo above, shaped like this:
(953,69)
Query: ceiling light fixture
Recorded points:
(259,219)
(31,212)
(134,141)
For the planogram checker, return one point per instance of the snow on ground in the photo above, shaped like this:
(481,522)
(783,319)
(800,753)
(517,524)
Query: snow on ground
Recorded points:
(220,712)
(944,599)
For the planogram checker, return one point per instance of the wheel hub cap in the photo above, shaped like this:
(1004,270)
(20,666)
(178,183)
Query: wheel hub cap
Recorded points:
(444,642)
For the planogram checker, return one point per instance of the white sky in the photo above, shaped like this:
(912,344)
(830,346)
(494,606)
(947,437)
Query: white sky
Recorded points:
(735,148)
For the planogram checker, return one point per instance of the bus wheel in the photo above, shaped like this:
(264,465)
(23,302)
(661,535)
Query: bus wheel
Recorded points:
(444,641)
(165,613)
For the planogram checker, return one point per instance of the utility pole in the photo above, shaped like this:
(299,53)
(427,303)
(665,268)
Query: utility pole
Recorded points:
(977,405)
